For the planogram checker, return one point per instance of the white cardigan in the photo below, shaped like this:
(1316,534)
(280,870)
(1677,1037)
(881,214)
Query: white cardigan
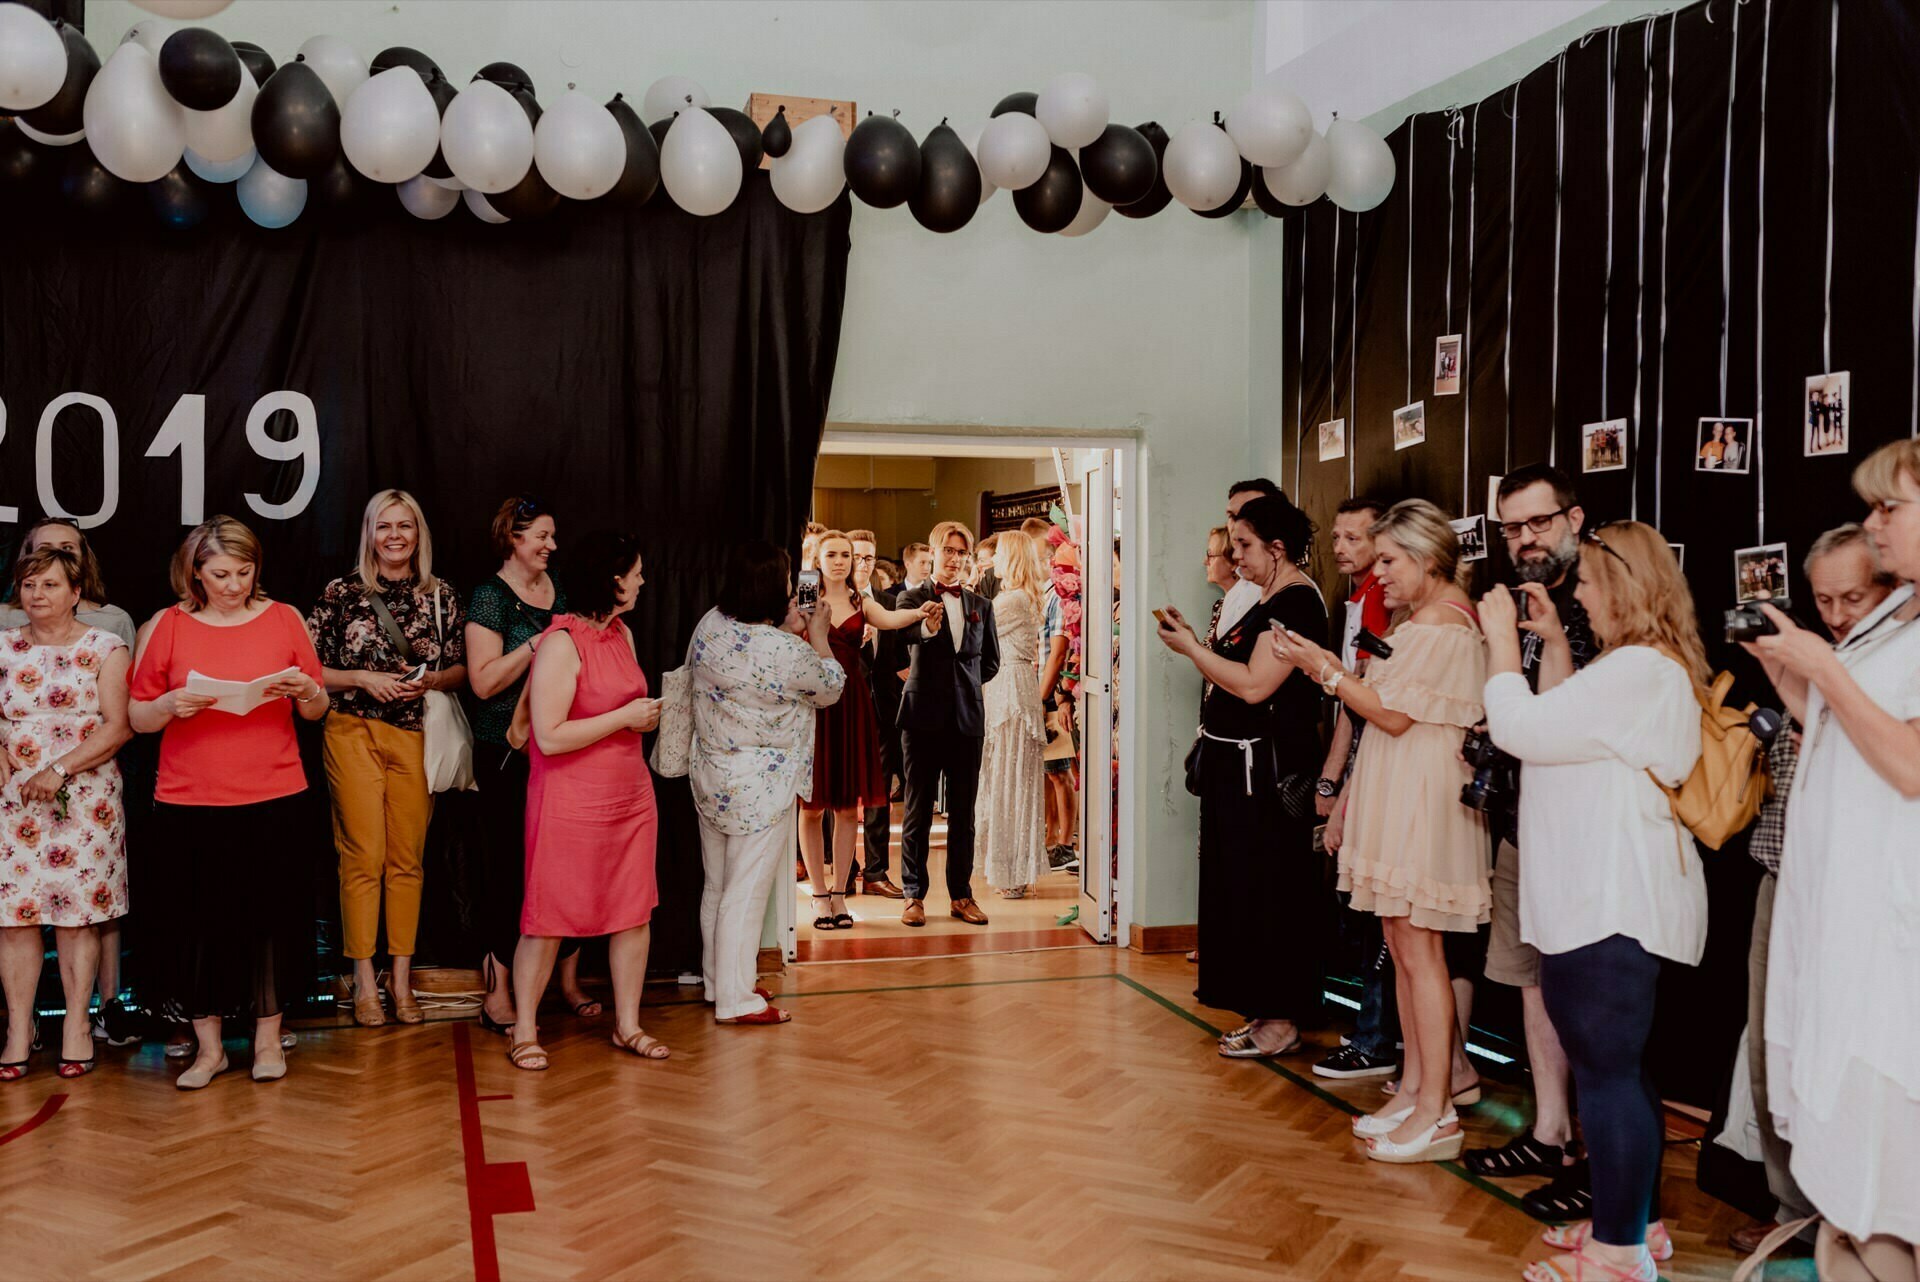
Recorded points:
(1602,854)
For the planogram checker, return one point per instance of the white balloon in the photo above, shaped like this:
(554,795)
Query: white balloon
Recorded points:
(812,173)
(699,164)
(1305,180)
(151,33)
(487,139)
(340,69)
(390,128)
(269,197)
(1093,212)
(1270,126)
(482,208)
(424,198)
(137,131)
(987,187)
(1361,166)
(225,133)
(1014,151)
(52,140)
(451,184)
(1072,109)
(221,171)
(33,59)
(184,10)
(1202,166)
(669,94)
(579,147)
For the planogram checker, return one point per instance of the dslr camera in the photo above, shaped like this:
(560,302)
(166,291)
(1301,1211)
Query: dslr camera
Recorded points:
(1488,763)
(1747,623)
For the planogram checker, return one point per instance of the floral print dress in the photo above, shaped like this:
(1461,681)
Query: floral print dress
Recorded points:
(60,864)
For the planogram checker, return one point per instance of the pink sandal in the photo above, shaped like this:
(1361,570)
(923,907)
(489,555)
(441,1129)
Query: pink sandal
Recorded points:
(1571,1237)
(1579,1267)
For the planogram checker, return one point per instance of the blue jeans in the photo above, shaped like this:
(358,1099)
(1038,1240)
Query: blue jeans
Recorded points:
(1377,1028)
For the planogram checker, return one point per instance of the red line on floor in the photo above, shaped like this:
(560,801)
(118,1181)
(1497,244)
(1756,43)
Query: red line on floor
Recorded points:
(493,1188)
(895,946)
(38,1120)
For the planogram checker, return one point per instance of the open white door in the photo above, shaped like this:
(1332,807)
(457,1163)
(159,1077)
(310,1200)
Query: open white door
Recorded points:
(1096,698)
(784,909)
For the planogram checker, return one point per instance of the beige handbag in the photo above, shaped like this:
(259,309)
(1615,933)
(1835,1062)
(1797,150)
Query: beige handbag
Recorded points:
(1840,1258)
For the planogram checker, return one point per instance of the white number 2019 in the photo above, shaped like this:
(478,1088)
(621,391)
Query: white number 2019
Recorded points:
(184,433)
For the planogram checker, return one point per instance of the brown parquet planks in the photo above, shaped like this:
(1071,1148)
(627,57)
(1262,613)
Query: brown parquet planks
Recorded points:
(1031,1116)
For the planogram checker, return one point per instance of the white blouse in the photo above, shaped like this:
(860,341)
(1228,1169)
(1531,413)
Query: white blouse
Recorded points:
(754,691)
(1603,854)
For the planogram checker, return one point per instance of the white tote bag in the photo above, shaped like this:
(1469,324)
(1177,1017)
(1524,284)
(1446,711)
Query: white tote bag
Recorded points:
(449,740)
(673,744)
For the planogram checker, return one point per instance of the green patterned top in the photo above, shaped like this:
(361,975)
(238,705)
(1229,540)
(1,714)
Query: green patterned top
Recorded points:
(498,608)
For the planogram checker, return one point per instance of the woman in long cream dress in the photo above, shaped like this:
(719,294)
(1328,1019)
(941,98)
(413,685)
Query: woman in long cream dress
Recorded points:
(1012,810)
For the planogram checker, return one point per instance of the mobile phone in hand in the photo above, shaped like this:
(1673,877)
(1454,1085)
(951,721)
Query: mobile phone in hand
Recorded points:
(416,676)
(1160,616)
(807,591)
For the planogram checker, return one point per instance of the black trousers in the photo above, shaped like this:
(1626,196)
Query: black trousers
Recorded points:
(879,835)
(929,756)
(501,773)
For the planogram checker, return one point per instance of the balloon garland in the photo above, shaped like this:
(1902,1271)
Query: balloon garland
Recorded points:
(178,111)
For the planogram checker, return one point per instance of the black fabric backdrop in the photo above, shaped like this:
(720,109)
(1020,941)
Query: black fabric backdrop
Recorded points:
(1531,237)
(646,370)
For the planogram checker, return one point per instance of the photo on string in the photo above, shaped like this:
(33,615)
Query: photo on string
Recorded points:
(1725,445)
(1603,446)
(1760,573)
(1446,365)
(1410,425)
(1472,533)
(1828,398)
(1333,440)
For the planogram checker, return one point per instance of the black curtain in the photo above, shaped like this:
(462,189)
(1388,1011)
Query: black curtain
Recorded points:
(647,370)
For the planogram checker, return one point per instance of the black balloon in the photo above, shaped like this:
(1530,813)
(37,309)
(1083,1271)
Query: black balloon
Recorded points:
(443,95)
(1269,206)
(882,162)
(296,124)
(23,162)
(341,191)
(182,199)
(506,75)
(1050,204)
(1157,196)
(1238,198)
(746,135)
(200,70)
(659,131)
(258,62)
(1119,166)
(1024,102)
(87,186)
(401,56)
(641,177)
(61,114)
(529,104)
(777,138)
(531,197)
(949,189)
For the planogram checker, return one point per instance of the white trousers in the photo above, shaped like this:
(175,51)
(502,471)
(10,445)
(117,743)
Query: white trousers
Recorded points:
(733,907)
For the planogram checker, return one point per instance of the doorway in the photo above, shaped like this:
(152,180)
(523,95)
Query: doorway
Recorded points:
(899,482)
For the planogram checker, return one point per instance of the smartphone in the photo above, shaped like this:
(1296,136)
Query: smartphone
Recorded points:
(1160,616)
(807,593)
(416,676)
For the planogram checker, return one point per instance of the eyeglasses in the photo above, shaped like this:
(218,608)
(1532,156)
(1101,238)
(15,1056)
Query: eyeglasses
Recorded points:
(865,560)
(1592,535)
(1538,524)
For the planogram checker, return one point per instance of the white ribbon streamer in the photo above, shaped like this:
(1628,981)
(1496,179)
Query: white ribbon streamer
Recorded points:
(1300,363)
(1666,189)
(1833,100)
(1760,293)
(1506,352)
(1413,123)
(1726,206)
(1353,354)
(1466,330)
(1606,292)
(1640,268)
(1559,149)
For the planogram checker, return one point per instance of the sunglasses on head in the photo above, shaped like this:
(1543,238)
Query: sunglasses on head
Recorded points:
(1592,535)
(529,508)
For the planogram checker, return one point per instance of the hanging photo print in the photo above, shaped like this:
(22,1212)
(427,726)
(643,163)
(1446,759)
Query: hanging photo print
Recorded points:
(1409,425)
(1760,574)
(1726,445)
(1472,533)
(1333,440)
(1603,446)
(1828,396)
(1493,497)
(1446,366)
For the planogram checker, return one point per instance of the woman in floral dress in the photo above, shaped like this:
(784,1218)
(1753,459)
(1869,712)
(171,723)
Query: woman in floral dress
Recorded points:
(63,712)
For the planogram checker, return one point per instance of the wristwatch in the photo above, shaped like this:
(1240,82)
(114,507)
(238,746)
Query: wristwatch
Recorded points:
(60,770)
(1332,684)
(1326,788)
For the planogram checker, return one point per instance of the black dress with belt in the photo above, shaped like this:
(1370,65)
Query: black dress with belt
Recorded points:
(1260,886)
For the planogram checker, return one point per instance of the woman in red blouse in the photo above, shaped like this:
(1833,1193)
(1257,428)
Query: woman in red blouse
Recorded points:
(227,796)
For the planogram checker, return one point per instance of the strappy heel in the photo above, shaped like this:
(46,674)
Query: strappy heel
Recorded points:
(824,921)
(1573,1237)
(1428,1146)
(842,920)
(487,1021)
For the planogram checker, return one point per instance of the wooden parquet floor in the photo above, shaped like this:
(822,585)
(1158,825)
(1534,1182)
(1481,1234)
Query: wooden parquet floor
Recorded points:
(1052,1115)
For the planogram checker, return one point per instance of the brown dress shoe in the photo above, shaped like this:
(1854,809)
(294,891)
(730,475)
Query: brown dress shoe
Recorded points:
(1746,1240)
(968,911)
(883,888)
(915,914)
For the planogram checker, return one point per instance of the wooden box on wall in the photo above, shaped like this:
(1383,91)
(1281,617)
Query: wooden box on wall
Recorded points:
(763,107)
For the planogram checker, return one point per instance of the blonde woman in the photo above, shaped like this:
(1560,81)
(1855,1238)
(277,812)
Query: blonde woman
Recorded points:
(375,630)
(1012,810)
(1409,851)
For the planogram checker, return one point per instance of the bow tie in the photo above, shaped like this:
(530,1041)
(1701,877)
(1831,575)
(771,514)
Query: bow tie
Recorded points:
(947,589)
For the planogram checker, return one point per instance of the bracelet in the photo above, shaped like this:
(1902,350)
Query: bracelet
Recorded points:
(1320,679)
(1332,686)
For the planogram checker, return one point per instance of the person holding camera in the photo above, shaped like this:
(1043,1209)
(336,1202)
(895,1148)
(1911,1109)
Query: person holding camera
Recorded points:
(1409,851)
(1540,520)
(1614,882)
(1842,1022)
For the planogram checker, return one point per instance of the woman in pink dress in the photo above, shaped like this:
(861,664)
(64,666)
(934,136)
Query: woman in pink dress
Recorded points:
(591,820)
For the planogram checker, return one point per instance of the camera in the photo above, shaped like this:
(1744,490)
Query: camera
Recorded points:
(1367,643)
(1484,790)
(1746,623)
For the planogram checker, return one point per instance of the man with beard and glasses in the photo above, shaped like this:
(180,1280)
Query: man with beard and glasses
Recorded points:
(1540,519)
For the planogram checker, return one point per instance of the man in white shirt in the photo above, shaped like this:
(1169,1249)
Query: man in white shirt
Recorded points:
(1243,595)
(916,561)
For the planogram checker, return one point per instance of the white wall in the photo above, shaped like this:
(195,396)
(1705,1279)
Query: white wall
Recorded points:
(1141,327)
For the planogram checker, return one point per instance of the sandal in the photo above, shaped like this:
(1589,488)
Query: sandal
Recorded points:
(1584,1268)
(842,920)
(643,1046)
(765,1015)
(405,1008)
(1521,1155)
(1240,1045)
(826,920)
(1571,1237)
(1568,1197)
(586,1008)
(488,1022)
(1465,1097)
(528,1056)
(72,1068)
(367,1011)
